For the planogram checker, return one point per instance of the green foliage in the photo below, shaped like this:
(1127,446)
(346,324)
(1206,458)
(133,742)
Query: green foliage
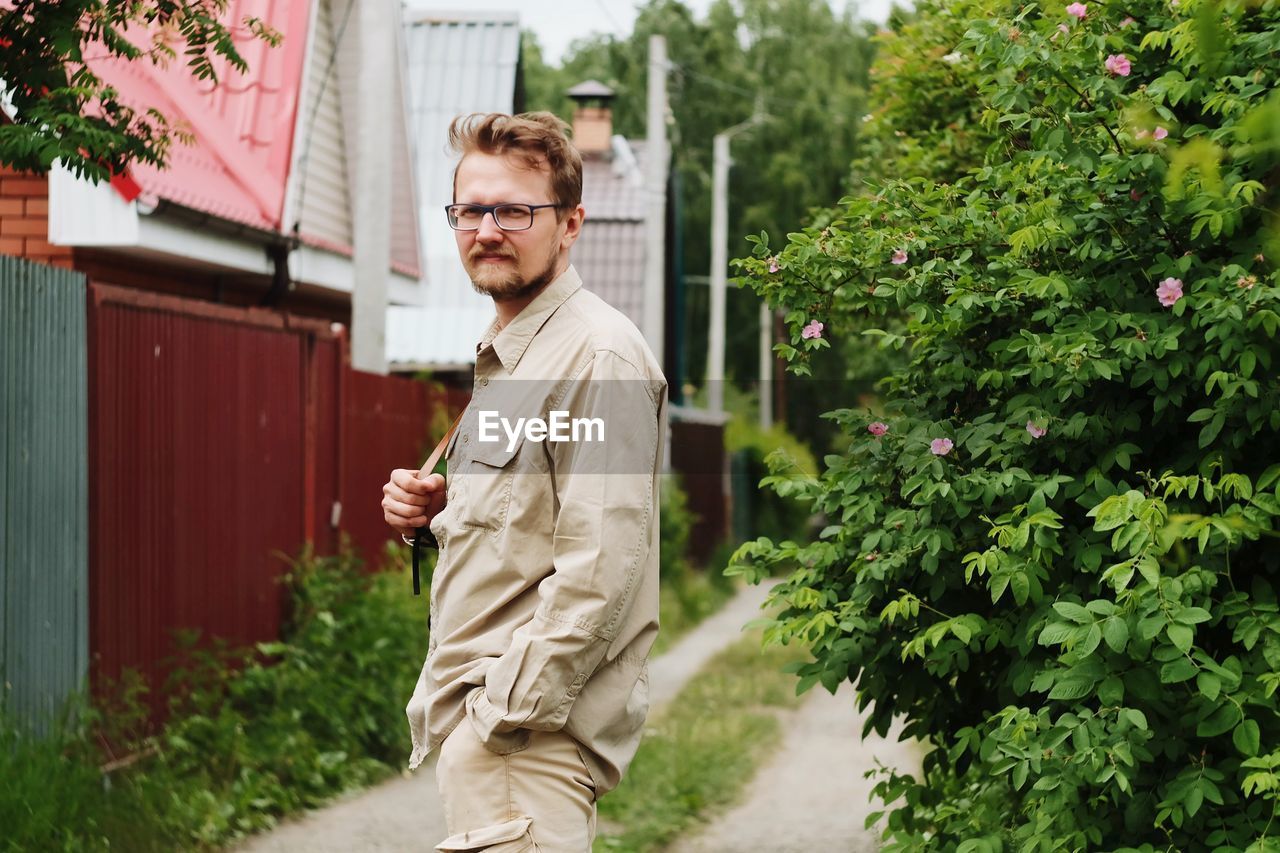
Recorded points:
(52,795)
(63,111)
(776,459)
(1075,602)
(317,713)
(250,739)
(687,594)
(675,525)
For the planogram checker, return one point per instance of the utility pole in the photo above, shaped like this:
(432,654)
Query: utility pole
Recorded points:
(656,168)
(371,206)
(720,258)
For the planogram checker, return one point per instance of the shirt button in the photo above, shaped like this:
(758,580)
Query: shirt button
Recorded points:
(484,381)
(465,438)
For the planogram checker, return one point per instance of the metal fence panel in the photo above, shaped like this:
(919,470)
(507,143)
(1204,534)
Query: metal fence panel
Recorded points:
(197,475)
(43,494)
(388,422)
(698,455)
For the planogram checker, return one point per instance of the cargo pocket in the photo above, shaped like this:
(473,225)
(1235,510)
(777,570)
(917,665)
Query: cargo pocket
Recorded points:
(509,837)
(486,485)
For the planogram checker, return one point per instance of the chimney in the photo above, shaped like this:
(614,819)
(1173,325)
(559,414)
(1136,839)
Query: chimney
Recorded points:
(593,118)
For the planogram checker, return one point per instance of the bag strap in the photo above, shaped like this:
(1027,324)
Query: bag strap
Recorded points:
(423,535)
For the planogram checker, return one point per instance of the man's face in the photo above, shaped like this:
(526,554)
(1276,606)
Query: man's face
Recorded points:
(512,264)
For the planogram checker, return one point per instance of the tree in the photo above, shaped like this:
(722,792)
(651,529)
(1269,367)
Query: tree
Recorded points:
(62,111)
(1053,553)
(791,59)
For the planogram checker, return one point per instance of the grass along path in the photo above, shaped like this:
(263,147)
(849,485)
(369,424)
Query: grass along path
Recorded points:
(702,749)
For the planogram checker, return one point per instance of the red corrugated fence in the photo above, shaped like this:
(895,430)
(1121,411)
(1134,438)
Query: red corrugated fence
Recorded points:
(221,440)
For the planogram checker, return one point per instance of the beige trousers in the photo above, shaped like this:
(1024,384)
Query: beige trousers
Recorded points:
(540,798)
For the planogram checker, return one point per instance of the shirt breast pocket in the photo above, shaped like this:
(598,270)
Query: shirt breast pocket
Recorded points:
(485,486)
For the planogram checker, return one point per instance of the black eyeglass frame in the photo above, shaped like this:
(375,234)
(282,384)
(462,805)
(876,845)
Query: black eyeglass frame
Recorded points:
(492,209)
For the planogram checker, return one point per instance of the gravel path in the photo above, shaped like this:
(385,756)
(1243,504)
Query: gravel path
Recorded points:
(404,814)
(812,795)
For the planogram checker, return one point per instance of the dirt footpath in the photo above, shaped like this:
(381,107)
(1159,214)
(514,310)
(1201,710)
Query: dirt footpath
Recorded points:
(404,814)
(812,795)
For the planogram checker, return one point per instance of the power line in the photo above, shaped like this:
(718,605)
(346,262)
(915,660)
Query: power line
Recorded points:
(757,94)
(609,14)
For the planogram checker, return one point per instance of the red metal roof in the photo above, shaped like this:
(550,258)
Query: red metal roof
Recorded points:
(239,164)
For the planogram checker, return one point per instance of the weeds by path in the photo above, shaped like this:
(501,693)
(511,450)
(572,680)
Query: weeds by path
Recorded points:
(702,749)
(251,741)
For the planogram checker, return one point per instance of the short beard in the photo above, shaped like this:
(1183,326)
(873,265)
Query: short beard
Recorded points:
(518,288)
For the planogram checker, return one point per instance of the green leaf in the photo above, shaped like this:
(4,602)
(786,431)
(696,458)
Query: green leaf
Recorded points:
(1091,641)
(1181,636)
(1111,691)
(1211,429)
(1073,611)
(1192,616)
(1209,685)
(1247,737)
(1116,632)
(1055,633)
(1219,721)
(1020,774)
(1136,718)
(1177,671)
(1150,569)
(1072,688)
(1193,801)
(1247,363)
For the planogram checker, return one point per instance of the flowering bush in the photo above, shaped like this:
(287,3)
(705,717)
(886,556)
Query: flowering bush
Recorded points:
(1054,553)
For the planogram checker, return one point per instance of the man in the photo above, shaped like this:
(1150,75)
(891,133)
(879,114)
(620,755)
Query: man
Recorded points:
(544,603)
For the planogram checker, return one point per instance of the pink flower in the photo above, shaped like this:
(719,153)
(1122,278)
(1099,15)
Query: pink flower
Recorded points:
(1077,10)
(1036,431)
(1169,291)
(877,428)
(899,257)
(773,264)
(813,330)
(1063,28)
(1159,133)
(1118,64)
(1141,133)
(1127,22)
(941,446)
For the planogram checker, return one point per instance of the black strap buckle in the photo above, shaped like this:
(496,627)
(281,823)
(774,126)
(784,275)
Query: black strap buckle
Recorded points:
(423,538)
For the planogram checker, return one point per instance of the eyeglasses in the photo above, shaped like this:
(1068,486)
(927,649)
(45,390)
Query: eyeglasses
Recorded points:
(508,217)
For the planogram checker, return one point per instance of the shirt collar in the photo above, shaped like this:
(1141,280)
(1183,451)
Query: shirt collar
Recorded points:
(510,343)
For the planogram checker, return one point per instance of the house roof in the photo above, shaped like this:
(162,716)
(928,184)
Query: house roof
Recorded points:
(590,89)
(610,254)
(238,166)
(273,146)
(458,63)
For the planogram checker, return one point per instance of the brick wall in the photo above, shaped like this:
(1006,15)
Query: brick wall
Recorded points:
(24,219)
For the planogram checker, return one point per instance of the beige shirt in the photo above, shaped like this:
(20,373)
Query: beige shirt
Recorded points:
(544,602)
